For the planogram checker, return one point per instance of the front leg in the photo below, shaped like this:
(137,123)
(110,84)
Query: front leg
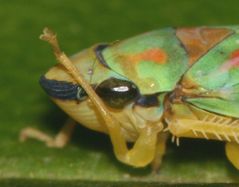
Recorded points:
(159,152)
(59,141)
(143,150)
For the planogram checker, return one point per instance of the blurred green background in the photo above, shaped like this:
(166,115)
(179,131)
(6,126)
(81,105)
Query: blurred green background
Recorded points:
(88,159)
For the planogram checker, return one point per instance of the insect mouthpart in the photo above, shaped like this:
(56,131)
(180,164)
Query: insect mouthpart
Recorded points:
(62,89)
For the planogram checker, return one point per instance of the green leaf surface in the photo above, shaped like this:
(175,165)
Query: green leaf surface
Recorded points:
(88,160)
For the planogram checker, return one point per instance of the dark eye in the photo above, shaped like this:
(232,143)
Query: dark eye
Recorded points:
(117,93)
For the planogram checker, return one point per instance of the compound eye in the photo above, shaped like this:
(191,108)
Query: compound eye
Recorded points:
(116,92)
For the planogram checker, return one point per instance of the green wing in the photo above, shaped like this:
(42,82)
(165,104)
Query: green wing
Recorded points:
(212,83)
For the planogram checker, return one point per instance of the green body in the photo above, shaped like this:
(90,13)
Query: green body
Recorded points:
(204,61)
(185,78)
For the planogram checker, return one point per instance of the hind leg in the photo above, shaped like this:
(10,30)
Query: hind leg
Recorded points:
(232,152)
(196,123)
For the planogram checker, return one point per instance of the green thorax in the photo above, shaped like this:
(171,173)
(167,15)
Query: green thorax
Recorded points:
(154,61)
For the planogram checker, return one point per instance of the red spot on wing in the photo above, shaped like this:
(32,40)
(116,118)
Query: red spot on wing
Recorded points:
(153,55)
(233,62)
(235,54)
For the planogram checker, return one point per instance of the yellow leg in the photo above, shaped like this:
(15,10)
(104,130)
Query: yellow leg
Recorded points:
(201,124)
(216,127)
(160,151)
(59,141)
(143,150)
(196,123)
(232,152)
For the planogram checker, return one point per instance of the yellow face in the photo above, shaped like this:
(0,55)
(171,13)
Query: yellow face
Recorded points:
(121,96)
